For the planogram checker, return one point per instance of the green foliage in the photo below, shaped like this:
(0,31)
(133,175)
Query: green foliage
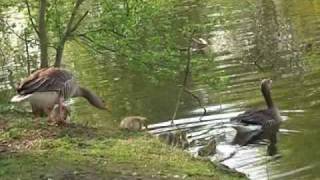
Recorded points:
(150,38)
(147,37)
(58,14)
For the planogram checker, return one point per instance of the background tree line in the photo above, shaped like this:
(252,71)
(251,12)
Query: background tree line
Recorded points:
(147,37)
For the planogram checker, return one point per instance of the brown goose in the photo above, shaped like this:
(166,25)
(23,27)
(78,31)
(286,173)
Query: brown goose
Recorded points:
(49,86)
(268,119)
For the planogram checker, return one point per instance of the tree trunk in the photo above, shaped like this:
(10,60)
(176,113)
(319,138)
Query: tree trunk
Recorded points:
(27,52)
(43,37)
(69,29)
(59,53)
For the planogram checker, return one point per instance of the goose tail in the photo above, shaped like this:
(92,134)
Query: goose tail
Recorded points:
(19,98)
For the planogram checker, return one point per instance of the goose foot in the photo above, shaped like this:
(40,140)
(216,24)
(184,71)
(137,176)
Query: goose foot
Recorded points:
(62,111)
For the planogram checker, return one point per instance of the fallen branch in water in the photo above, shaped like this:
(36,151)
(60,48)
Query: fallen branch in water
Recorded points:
(199,102)
(184,85)
(185,80)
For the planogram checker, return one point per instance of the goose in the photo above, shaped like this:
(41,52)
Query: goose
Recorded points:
(266,120)
(47,87)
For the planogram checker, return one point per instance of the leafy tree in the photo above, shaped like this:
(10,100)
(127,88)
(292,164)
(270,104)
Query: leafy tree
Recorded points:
(60,26)
(148,37)
(53,23)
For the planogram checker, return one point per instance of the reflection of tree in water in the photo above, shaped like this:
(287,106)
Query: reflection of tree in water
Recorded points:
(275,47)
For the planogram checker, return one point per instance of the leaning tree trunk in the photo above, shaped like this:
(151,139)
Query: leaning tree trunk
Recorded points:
(71,27)
(43,37)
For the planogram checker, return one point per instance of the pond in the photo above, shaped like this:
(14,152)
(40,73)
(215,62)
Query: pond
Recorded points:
(277,39)
(262,39)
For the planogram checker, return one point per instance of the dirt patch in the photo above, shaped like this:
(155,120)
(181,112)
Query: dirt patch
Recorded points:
(3,124)
(94,174)
(32,137)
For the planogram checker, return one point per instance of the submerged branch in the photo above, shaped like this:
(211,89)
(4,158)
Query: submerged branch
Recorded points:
(199,101)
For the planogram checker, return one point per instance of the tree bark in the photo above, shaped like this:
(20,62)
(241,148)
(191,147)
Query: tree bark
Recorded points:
(67,33)
(27,51)
(59,52)
(43,37)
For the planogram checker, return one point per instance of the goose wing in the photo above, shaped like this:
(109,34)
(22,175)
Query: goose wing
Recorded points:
(256,117)
(44,80)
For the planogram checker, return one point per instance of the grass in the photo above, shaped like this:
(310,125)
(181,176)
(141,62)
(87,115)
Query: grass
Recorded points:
(37,151)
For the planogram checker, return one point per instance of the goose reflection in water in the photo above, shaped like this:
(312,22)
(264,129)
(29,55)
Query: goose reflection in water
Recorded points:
(254,125)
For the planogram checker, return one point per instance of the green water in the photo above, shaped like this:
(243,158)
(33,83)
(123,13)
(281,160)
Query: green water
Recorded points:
(253,40)
(262,39)
(279,32)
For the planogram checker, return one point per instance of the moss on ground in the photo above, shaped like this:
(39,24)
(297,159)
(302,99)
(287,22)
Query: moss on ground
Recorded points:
(37,151)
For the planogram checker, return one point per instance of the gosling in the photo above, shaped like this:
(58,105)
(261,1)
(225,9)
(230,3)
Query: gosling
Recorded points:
(133,123)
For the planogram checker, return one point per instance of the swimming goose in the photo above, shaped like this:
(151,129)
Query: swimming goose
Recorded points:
(268,119)
(49,86)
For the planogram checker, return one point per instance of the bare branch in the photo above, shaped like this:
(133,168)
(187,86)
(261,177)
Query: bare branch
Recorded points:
(78,22)
(27,52)
(4,57)
(18,35)
(66,34)
(30,18)
(198,99)
(57,18)
(185,80)
(91,31)
(103,29)
(90,46)
(71,20)
(88,39)
(11,30)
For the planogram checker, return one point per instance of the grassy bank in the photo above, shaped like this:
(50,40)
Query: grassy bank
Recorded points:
(38,151)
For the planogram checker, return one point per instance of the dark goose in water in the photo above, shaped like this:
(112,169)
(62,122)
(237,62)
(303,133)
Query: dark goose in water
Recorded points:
(268,119)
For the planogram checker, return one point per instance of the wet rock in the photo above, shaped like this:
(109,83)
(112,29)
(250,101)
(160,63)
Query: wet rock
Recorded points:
(225,151)
(46,177)
(176,176)
(133,123)
(184,176)
(209,149)
(199,142)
